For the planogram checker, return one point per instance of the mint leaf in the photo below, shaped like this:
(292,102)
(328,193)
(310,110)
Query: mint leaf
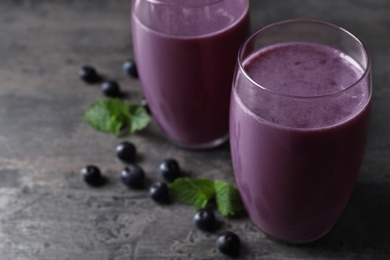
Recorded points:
(206,187)
(193,192)
(139,118)
(228,198)
(184,191)
(206,192)
(199,192)
(112,115)
(201,202)
(106,115)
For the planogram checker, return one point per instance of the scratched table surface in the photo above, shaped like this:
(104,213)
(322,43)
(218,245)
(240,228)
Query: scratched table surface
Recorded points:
(47,212)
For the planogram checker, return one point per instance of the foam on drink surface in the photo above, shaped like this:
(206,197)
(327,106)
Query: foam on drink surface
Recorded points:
(309,72)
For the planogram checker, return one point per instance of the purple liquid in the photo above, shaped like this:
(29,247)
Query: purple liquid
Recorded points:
(296,162)
(186,73)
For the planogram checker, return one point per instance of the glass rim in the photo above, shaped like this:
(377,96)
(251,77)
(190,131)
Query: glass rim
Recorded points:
(178,4)
(313,21)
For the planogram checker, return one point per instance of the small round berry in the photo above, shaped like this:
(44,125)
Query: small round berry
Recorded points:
(89,75)
(110,88)
(229,243)
(144,104)
(159,192)
(130,68)
(205,220)
(91,175)
(133,176)
(169,169)
(126,152)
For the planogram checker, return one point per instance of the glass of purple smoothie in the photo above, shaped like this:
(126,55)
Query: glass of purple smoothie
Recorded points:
(186,52)
(298,125)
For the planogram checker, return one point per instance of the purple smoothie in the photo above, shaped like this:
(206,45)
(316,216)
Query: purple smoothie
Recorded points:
(186,72)
(296,162)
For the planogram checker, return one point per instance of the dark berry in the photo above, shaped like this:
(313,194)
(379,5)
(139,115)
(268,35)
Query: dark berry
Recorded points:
(130,68)
(229,243)
(169,169)
(110,88)
(159,192)
(145,105)
(91,175)
(133,176)
(205,220)
(126,152)
(89,74)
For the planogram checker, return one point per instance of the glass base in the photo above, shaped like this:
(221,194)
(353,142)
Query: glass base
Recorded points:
(202,146)
(295,242)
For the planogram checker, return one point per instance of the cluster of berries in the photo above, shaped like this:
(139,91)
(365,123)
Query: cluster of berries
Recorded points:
(109,87)
(133,176)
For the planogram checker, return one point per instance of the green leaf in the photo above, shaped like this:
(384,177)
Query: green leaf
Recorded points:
(228,198)
(193,192)
(112,115)
(201,202)
(139,118)
(205,186)
(199,192)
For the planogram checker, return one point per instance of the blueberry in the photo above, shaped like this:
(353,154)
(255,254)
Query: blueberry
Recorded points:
(229,243)
(205,220)
(110,88)
(145,105)
(91,175)
(89,74)
(159,192)
(130,68)
(126,152)
(169,169)
(133,176)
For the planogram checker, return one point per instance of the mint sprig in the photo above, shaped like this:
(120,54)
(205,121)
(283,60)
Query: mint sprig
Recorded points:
(199,192)
(228,198)
(112,115)
(138,119)
(193,192)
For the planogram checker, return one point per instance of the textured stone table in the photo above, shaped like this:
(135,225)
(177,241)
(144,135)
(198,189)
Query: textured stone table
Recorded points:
(47,212)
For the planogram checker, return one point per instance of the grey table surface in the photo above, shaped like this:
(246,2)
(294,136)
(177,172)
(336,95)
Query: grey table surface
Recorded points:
(47,212)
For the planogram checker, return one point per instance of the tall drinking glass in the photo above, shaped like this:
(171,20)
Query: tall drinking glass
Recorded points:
(186,52)
(299,117)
